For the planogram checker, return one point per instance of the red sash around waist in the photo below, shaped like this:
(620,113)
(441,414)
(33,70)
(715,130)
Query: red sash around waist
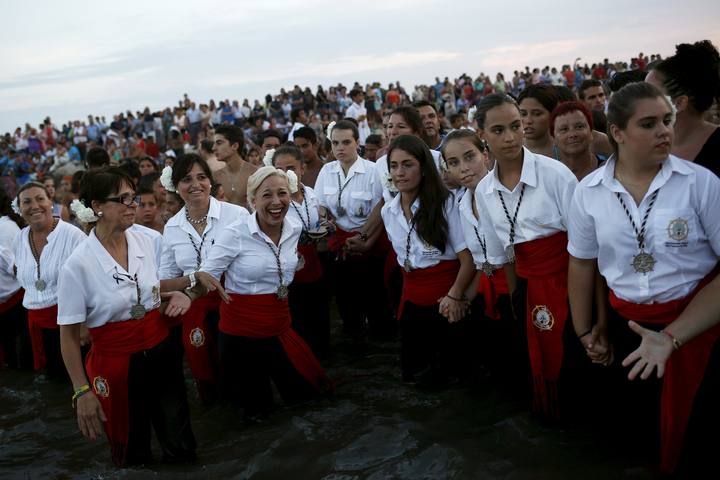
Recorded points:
(262,316)
(425,286)
(336,241)
(312,268)
(491,288)
(12,301)
(197,343)
(544,263)
(38,320)
(684,370)
(107,366)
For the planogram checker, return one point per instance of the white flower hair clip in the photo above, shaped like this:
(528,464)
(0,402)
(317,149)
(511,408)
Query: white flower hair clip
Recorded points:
(389,184)
(292,181)
(83,213)
(166,179)
(15,206)
(329,129)
(471,113)
(674,110)
(268,158)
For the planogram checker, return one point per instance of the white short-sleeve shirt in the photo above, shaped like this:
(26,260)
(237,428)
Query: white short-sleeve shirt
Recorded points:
(61,243)
(382,170)
(307,212)
(181,242)
(421,255)
(93,288)
(682,230)
(361,191)
(549,186)
(245,254)
(9,232)
(472,232)
(155,236)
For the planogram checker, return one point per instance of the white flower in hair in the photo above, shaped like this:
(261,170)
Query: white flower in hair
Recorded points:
(389,184)
(268,158)
(83,213)
(292,181)
(15,206)
(329,129)
(674,110)
(166,179)
(471,113)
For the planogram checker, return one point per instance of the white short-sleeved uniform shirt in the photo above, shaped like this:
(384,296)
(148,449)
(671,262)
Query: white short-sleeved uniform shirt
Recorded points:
(247,256)
(549,186)
(9,232)
(62,242)
(155,236)
(361,191)
(354,111)
(382,170)
(421,254)
(307,212)
(472,232)
(93,288)
(682,231)
(181,242)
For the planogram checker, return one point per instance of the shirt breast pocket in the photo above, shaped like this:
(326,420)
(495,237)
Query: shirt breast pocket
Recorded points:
(674,230)
(360,203)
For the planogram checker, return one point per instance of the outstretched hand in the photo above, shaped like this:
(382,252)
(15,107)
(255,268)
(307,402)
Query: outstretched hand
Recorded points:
(211,284)
(654,350)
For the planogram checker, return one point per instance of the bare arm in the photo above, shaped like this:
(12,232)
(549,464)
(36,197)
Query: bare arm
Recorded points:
(581,279)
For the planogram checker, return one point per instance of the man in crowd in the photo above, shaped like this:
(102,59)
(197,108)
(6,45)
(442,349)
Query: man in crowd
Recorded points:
(229,141)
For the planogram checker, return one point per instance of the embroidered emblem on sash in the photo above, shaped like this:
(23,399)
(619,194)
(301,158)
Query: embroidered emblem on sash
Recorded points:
(101,387)
(197,337)
(542,318)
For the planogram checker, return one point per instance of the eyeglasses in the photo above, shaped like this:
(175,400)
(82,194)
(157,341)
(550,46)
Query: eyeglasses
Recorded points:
(127,199)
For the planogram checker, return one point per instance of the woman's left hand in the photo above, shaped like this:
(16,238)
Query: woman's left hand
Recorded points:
(654,350)
(453,310)
(179,303)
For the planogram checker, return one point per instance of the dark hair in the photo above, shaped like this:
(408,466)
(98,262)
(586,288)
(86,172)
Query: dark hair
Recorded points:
(352,120)
(374,139)
(463,134)
(568,107)
(147,181)
(144,190)
(544,94)
(564,94)
(207,145)
(488,103)
(431,224)
(76,181)
(412,118)
(6,209)
(97,185)
(233,134)
(270,133)
(347,125)
(599,121)
(288,149)
(588,84)
(355,92)
(694,71)
(424,103)
(131,168)
(307,133)
(622,105)
(621,79)
(97,157)
(30,185)
(182,167)
(295,113)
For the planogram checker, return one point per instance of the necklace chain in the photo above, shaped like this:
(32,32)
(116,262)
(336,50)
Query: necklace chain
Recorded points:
(192,221)
(639,234)
(277,258)
(33,249)
(512,220)
(307,209)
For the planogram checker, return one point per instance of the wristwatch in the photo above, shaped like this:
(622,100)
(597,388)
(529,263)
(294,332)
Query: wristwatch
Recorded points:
(193,280)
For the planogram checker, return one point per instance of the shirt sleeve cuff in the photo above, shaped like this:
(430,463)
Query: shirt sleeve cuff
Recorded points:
(70,319)
(586,254)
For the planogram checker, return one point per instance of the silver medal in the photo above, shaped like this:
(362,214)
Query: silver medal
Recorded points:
(341,211)
(511,253)
(282,292)
(40,285)
(137,311)
(643,263)
(487,268)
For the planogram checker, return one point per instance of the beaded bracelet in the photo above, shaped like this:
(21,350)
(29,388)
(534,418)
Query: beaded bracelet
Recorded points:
(461,299)
(79,393)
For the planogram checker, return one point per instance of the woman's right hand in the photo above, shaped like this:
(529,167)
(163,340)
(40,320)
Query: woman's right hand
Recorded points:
(90,416)
(211,284)
(597,346)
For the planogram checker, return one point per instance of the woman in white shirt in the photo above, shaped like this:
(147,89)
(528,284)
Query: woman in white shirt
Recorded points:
(258,255)
(308,298)
(41,250)
(497,336)
(14,337)
(650,221)
(423,225)
(522,212)
(187,239)
(110,285)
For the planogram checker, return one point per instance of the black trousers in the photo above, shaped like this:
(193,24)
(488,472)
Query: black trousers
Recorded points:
(157,399)
(248,367)
(360,295)
(55,367)
(310,314)
(15,338)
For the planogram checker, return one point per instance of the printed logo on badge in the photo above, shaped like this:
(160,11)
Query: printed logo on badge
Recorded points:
(678,229)
(197,337)
(542,318)
(101,387)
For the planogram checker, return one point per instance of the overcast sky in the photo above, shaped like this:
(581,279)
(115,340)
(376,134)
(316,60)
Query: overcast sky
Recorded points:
(70,58)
